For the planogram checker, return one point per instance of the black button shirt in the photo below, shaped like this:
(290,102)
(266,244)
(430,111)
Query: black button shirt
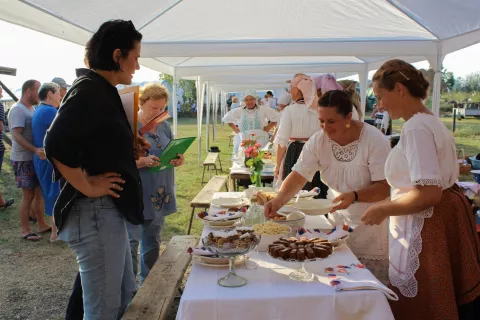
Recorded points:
(91,131)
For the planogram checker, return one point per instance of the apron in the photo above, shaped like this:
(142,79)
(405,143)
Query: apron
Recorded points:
(294,149)
(250,122)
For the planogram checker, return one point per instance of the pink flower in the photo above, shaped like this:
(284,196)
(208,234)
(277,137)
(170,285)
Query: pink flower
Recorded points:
(242,144)
(258,145)
(255,153)
(249,149)
(247,154)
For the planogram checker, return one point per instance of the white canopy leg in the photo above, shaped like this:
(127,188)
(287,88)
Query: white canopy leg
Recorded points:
(174,102)
(207,135)
(214,114)
(200,100)
(363,78)
(436,65)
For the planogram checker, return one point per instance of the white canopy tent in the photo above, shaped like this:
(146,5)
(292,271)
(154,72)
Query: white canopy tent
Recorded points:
(208,39)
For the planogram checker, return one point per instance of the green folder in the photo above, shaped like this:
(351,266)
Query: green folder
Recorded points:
(173,149)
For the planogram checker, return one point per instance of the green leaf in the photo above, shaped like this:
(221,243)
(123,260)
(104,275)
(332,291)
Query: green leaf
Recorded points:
(249,162)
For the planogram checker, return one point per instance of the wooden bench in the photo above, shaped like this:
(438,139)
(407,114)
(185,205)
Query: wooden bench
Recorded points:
(210,163)
(204,197)
(154,299)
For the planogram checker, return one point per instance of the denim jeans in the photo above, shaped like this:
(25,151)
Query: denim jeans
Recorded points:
(96,231)
(149,236)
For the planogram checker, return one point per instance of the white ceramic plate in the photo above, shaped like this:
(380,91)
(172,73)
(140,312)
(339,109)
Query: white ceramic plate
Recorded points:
(313,207)
(215,262)
(228,202)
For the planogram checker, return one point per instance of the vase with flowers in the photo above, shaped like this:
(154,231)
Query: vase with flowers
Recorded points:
(253,159)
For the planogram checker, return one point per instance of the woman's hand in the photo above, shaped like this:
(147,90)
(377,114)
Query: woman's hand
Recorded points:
(346,201)
(142,146)
(105,184)
(271,208)
(375,214)
(178,162)
(277,172)
(150,161)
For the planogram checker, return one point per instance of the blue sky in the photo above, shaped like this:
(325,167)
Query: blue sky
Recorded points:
(42,57)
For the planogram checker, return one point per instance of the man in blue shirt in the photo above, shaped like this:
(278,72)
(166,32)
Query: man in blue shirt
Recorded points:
(49,95)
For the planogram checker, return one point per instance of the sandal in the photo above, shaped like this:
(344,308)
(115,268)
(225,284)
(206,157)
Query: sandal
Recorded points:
(31,236)
(7,204)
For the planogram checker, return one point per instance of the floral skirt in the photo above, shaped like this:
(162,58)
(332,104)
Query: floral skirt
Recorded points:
(449,273)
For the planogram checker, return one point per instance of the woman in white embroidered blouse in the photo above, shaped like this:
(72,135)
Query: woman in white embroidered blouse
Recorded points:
(434,249)
(350,156)
(299,123)
(251,117)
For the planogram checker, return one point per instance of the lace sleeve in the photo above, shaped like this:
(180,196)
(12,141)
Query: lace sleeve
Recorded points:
(422,158)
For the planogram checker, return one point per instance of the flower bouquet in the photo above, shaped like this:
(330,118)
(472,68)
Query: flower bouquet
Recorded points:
(253,159)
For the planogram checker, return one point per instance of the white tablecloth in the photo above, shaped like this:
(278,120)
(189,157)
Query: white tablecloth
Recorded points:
(271,294)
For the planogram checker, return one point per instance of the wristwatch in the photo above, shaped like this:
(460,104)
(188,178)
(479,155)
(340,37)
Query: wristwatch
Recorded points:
(356,196)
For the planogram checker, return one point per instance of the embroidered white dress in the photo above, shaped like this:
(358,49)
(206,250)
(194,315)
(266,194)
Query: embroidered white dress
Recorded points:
(425,155)
(250,121)
(352,168)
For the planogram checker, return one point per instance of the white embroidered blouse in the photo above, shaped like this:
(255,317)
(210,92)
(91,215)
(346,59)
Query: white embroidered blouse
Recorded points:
(298,121)
(351,168)
(425,155)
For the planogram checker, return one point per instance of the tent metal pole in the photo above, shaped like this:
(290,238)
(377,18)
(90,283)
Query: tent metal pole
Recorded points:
(207,135)
(363,78)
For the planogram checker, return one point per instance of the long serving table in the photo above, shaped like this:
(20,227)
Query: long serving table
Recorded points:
(271,294)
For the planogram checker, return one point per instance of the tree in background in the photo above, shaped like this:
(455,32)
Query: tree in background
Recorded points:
(188,87)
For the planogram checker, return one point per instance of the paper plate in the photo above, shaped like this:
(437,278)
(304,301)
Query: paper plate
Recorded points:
(228,202)
(215,262)
(313,207)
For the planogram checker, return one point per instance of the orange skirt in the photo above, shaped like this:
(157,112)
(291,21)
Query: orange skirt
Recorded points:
(449,272)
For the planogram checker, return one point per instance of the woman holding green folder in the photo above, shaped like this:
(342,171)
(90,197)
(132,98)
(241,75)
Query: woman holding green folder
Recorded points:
(158,187)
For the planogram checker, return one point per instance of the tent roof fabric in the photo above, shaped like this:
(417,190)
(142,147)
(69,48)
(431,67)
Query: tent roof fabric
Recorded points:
(234,37)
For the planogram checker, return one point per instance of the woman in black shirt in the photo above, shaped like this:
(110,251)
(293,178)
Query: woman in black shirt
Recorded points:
(91,145)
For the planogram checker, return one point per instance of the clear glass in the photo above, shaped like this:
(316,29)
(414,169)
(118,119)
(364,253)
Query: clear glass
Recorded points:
(301,274)
(232,280)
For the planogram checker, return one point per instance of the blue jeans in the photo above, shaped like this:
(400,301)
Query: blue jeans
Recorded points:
(95,230)
(149,236)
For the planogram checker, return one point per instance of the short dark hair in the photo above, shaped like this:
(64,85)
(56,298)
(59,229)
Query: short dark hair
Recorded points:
(29,84)
(336,99)
(113,34)
(46,88)
(270,93)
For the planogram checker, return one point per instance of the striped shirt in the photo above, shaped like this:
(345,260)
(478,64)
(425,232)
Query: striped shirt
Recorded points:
(2,119)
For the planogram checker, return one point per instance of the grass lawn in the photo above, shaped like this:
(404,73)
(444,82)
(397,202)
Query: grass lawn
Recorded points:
(467,133)
(189,176)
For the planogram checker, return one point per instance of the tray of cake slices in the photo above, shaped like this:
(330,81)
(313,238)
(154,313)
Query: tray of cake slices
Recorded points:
(300,249)
(231,242)
(337,236)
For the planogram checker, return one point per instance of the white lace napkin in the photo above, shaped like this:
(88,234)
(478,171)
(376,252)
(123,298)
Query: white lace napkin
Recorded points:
(356,277)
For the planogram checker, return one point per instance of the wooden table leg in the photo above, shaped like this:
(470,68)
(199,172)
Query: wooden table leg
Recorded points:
(191,220)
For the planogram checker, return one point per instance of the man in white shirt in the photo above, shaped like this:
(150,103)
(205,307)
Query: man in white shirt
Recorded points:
(270,100)
(284,100)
